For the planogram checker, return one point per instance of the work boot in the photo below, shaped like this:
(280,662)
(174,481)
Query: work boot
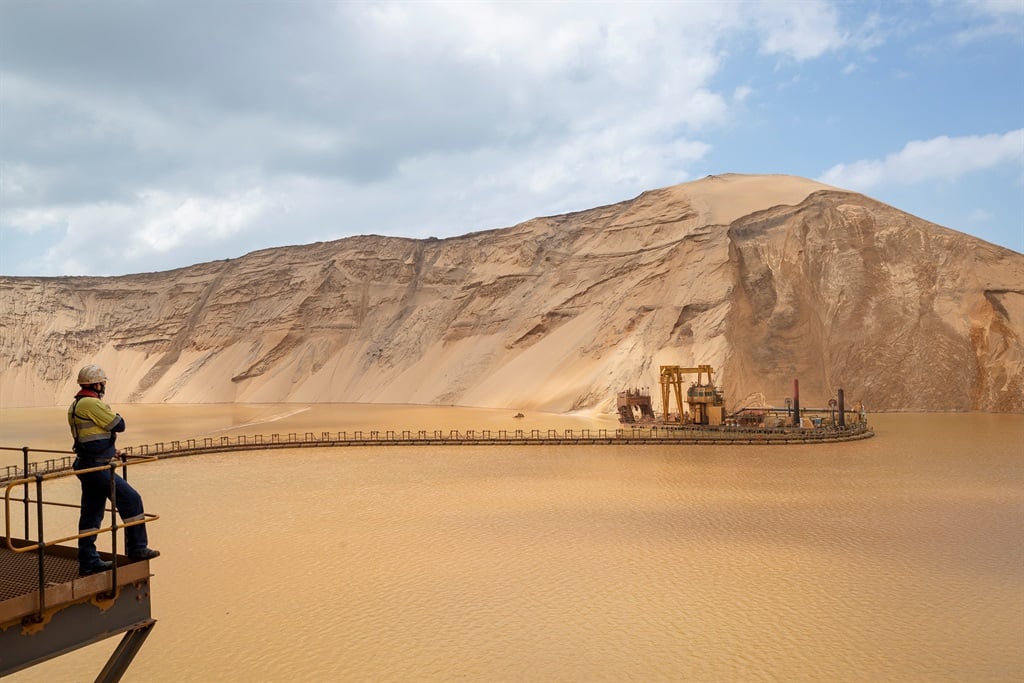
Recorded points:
(143,554)
(95,567)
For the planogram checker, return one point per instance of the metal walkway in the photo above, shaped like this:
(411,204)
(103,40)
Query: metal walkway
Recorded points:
(633,435)
(78,611)
(46,608)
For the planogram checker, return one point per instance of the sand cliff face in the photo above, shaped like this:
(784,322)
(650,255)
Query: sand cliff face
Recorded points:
(766,278)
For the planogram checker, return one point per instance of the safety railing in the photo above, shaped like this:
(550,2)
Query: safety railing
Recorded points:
(41,542)
(653,434)
(642,435)
(61,464)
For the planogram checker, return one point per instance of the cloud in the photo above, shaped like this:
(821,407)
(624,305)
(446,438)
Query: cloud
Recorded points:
(990,19)
(800,35)
(998,8)
(104,237)
(161,125)
(741,93)
(978,216)
(941,158)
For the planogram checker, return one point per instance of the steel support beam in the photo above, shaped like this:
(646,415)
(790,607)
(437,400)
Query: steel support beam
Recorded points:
(121,658)
(69,627)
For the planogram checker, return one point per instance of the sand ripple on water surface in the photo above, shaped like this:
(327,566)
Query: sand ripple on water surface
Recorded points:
(864,561)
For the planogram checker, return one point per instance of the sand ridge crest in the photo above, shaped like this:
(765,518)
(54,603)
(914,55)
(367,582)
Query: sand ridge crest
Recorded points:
(766,277)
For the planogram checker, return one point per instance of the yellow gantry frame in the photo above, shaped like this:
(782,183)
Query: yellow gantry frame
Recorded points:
(672,381)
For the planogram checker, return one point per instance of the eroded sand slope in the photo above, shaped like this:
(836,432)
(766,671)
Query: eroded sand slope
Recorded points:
(767,278)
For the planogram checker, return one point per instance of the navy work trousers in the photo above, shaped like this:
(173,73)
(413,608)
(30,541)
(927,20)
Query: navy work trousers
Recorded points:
(95,493)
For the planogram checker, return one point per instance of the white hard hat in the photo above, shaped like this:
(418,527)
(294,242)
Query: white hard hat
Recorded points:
(91,374)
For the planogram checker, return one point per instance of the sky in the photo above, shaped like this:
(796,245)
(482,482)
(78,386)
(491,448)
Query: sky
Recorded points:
(140,136)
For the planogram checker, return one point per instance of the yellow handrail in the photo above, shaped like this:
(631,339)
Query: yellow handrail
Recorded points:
(35,450)
(147,517)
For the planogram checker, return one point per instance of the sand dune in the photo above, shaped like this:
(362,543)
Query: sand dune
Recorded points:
(766,278)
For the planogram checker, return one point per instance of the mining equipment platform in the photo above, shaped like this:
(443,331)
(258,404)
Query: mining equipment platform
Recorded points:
(706,414)
(46,608)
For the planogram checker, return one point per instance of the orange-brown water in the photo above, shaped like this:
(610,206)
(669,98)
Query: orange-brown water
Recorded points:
(897,558)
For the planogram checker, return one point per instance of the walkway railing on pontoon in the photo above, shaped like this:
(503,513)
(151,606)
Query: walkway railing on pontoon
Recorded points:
(637,435)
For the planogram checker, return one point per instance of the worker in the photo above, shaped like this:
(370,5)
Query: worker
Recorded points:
(94,427)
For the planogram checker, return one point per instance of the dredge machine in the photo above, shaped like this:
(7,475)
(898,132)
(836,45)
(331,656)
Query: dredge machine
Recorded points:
(705,400)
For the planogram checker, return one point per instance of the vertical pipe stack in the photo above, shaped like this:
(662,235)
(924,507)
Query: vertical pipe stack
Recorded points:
(796,403)
(842,410)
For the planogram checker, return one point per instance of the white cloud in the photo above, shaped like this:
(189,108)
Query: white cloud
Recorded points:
(20,182)
(998,8)
(979,216)
(941,158)
(111,237)
(169,221)
(991,19)
(802,35)
(36,220)
(324,119)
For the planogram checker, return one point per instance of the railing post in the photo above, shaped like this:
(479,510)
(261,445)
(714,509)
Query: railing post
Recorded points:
(113,527)
(24,496)
(42,549)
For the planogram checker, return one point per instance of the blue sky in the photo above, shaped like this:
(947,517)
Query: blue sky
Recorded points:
(140,136)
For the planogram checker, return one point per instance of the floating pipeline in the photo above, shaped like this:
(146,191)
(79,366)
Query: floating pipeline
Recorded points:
(655,435)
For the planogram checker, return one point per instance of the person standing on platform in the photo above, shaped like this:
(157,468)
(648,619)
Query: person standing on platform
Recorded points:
(94,427)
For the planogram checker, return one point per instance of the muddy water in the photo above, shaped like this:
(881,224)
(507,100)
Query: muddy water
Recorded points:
(898,558)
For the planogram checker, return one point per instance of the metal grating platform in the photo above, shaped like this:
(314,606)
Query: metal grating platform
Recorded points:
(19,580)
(47,609)
(19,572)
(77,610)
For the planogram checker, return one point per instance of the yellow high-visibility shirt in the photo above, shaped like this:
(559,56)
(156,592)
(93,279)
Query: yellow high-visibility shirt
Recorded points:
(92,420)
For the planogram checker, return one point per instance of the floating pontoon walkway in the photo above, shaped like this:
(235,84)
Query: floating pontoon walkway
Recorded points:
(631,436)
